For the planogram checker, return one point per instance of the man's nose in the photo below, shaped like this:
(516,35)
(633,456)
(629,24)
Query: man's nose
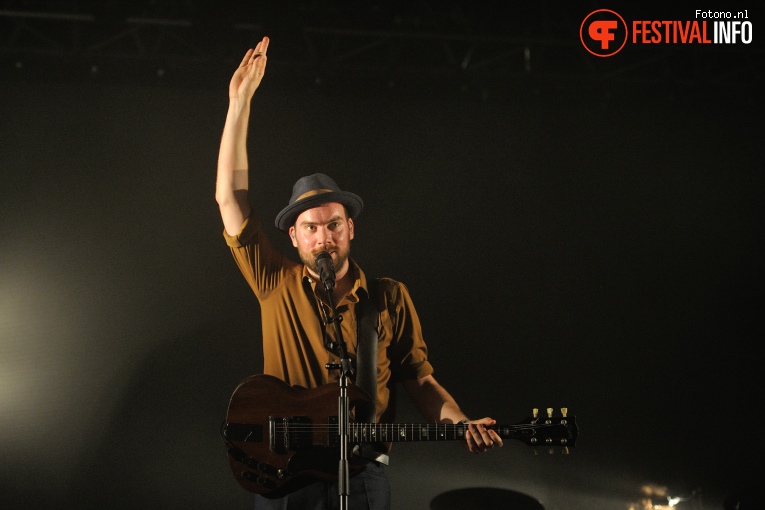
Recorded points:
(324,236)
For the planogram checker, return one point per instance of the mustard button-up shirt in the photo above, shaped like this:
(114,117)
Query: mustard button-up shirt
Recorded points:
(296,341)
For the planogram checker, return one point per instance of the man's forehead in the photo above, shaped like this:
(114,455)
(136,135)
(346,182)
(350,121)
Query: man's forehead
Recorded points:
(320,213)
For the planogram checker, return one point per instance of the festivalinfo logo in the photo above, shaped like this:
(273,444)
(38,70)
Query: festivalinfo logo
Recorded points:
(604,33)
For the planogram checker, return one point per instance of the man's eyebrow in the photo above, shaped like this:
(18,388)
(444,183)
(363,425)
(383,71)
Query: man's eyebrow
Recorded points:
(331,220)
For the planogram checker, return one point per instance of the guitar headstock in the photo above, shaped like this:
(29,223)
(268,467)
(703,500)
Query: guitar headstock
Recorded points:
(548,429)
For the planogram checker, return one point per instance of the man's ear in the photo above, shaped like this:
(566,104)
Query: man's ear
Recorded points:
(292,236)
(350,228)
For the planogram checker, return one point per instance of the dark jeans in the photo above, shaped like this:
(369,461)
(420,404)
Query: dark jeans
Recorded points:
(369,490)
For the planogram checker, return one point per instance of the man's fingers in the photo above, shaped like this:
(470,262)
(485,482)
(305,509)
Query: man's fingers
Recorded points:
(477,441)
(255,53)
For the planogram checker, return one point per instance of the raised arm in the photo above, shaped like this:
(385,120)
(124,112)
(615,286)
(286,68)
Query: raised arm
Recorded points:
(232,181)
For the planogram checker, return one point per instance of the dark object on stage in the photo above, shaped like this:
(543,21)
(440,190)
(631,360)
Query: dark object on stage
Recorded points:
(483,498)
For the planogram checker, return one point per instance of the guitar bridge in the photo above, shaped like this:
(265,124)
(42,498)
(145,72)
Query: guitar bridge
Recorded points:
(287,434)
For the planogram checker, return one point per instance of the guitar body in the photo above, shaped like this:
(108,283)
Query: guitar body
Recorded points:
(281,438)
(266,462)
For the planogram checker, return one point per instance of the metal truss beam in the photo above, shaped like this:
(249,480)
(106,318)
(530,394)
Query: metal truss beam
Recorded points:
(199,51)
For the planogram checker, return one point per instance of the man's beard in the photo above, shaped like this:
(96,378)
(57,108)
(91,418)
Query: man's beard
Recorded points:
(310,260)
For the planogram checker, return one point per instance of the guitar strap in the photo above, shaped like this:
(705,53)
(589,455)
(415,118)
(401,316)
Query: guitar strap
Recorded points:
(366,366)
(366,352)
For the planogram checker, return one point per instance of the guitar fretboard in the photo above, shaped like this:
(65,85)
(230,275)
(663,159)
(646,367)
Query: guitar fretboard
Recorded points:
(403,432)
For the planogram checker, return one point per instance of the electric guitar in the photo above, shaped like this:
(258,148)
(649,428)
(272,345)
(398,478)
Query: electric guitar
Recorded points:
(281,438)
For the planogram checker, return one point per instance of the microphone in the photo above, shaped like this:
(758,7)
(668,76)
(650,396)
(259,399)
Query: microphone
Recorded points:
(326,269)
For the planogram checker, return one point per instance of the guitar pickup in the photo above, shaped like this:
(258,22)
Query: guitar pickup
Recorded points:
(289,434)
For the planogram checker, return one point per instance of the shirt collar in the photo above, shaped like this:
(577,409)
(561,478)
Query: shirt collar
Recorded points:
(360,281)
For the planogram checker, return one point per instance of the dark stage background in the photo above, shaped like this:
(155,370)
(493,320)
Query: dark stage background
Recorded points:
(574,231)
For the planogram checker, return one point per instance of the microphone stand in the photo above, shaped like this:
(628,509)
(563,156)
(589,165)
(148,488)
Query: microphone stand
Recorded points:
(344,366)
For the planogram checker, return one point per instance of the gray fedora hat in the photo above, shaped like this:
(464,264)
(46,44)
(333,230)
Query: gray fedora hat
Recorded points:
(311,191)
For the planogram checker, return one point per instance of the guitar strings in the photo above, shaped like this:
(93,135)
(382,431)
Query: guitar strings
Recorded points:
(448,427)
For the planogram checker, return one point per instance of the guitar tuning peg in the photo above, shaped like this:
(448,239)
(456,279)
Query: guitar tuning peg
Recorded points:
(535,412)
(565,450)
(549,412)
(564,411)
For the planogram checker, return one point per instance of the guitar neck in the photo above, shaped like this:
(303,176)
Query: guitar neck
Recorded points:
(408,432)
(405,432)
